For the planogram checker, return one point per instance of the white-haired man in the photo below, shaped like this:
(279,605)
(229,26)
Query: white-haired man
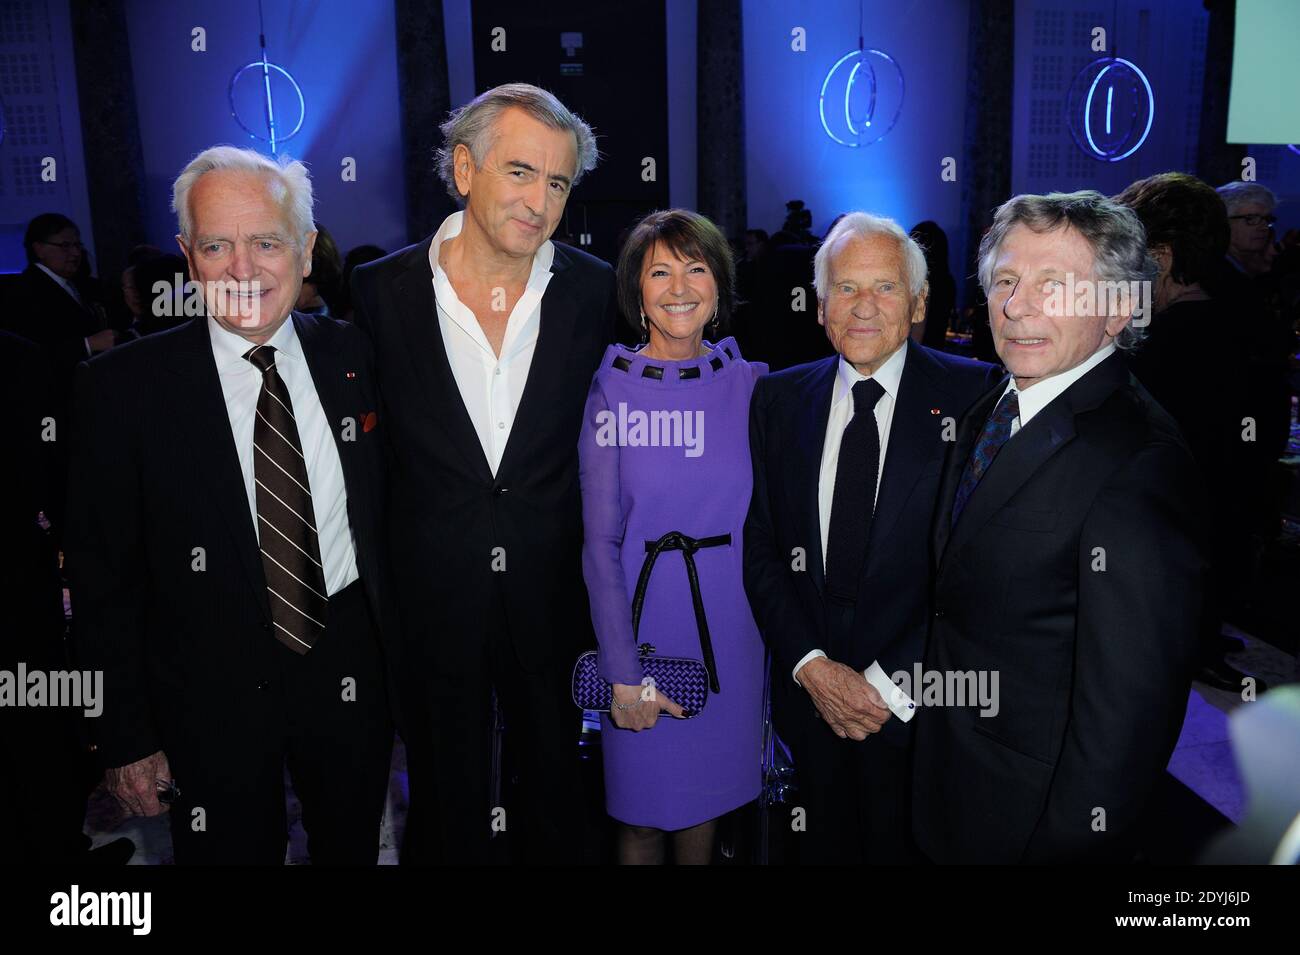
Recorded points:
(1068,560)
(224,543)
(486,336)
(847,453)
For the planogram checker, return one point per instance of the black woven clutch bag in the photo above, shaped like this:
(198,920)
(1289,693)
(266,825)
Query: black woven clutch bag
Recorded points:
(684,681)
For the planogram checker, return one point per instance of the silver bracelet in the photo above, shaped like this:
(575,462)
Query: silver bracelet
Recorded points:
(622,706)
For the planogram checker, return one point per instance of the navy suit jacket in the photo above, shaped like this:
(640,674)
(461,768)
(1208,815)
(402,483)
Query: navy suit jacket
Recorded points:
(1075,573)
(788,419)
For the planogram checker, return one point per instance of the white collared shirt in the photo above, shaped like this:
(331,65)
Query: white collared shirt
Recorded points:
(1041,393)
(490,386)
(63,284)
(890,376)
(241,383)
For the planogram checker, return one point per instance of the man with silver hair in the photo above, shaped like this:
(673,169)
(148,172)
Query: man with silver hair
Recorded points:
(1251,221)
(225,543)
(1069,560)
(846,454)
(487,335)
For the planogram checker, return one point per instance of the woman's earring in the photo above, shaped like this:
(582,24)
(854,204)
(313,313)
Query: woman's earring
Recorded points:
(645,331)
(713,323)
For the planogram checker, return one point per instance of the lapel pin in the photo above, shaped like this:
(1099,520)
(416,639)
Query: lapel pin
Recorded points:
(934,411)
(351,375)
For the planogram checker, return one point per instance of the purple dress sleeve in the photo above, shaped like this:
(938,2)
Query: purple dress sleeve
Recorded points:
(603,528)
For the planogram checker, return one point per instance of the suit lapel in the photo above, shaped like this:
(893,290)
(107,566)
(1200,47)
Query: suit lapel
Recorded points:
(1032,446)
(955,463)
(559,314)
(804,464)
(212,448)
(911,443)
(428,355)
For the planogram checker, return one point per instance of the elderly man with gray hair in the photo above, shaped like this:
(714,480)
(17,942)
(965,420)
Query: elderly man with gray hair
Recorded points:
(847,453)
(1069,560)
(225,543)
(487,335)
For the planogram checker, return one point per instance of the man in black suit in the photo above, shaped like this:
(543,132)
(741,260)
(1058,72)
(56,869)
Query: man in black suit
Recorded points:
(847,453)
(486,337)
(1068,561)
(224,542)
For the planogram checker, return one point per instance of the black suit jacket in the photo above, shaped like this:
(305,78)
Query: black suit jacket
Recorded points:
(788,418)
(449,514)
(156,475)
(1075,572)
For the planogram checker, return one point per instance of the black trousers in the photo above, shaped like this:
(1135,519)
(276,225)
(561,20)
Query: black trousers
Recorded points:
(337,746)
(452,818)
(856,794)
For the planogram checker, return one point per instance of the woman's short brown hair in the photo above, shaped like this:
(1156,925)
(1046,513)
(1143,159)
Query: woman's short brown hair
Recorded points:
(1187,215)
(689,236)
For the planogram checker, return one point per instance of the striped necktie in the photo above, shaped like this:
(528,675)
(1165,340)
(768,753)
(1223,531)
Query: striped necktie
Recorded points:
(286,523)
(997,431)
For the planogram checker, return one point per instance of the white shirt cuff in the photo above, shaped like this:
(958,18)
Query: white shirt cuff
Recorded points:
(810,655)
(899,703)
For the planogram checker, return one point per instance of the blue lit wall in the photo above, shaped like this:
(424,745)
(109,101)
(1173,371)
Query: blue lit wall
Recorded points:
(790,156)
(344,56)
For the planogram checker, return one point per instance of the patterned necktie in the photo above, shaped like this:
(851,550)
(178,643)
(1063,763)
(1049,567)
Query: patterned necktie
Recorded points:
(997,430)
(854,502)
(286,523)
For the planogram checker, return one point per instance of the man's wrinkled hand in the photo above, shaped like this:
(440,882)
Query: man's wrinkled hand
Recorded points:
(844,699)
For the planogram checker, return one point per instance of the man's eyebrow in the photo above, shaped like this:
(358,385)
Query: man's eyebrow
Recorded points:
(527,167)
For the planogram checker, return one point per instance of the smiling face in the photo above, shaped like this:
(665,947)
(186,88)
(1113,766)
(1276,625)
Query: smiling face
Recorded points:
(516,197)
(868,309)
(679,295)
(244,252)
(1034,336)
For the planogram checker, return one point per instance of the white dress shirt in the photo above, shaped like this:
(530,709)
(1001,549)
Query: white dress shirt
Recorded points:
(1034,398)
(490,386)
(889,375)
(241,383)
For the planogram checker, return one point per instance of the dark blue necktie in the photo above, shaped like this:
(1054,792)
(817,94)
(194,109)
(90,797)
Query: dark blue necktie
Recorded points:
(854,502)
(995,434)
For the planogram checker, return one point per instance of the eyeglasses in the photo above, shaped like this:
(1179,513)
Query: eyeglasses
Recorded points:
(65,246)
(1255,219)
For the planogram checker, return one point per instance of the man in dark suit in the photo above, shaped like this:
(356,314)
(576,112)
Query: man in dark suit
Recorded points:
(486,337)
(847,453)
(1069,567)
(224,541)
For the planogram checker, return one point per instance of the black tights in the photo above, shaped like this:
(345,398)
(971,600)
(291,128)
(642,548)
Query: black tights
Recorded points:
(642,845)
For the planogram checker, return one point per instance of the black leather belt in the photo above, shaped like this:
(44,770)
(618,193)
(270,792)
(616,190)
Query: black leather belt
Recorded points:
(676,540)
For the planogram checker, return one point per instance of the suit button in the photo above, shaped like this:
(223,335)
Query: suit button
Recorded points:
(498,491)
(263,685)
(265,625)
(940,613)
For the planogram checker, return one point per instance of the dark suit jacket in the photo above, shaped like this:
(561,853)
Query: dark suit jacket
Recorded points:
(449,514)
(156,475)
(40,311)
(1075,572)
(787,429)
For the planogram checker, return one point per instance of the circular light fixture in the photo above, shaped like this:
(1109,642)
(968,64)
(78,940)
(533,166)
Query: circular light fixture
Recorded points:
(874,125)
(272,135)
(1110,108)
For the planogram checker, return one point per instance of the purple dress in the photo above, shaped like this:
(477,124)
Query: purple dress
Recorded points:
(685,468)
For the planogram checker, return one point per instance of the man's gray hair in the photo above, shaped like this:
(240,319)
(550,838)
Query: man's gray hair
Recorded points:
(473,125)
(290,185)
(865,225)
(1236,194)
(1115,233)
